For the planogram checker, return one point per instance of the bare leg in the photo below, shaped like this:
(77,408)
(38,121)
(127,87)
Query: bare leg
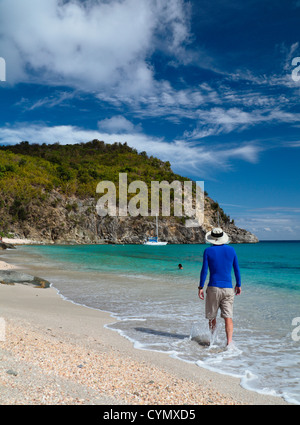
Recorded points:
(212,325)
(228,329)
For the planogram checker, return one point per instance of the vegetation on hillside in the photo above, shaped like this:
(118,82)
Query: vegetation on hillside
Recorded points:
(29,172)
(76,169)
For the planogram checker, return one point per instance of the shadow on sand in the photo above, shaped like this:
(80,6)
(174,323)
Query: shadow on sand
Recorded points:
(197,339)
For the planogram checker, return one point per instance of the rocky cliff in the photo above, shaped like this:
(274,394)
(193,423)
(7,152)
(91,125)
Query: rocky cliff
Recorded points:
(72,220)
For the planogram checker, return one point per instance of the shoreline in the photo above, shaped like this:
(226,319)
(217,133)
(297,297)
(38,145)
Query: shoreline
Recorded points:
(92,364)
(20,241)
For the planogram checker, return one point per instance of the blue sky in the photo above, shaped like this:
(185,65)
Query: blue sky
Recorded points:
(209,85)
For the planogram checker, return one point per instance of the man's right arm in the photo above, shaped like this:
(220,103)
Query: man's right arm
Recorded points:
(203,275)
(237,274)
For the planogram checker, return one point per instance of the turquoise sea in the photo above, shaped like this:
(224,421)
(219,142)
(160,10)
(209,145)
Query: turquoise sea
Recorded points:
(158,308)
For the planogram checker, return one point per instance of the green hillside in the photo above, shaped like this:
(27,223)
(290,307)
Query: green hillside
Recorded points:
(76,169)
(29,172)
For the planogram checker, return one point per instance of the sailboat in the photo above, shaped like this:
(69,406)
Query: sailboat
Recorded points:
(153,241)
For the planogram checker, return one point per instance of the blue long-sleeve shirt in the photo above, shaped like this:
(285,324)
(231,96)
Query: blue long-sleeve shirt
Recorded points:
(220,259)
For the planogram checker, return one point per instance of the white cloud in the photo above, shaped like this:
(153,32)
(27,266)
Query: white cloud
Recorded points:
(213,110)
(90,45)
(277,223)
(63,134)
(118,124)
(106,47)
(57,98)
(295,144)
(219,120)
(290,55)
(278,209)
(162,101)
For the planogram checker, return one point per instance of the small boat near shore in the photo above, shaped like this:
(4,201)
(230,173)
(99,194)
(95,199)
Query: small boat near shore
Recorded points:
(153,241)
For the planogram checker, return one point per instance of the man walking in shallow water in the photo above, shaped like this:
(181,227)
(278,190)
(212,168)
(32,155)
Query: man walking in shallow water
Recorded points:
(219,258)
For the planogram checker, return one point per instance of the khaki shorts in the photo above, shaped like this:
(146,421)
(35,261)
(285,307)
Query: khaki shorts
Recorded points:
(219,298)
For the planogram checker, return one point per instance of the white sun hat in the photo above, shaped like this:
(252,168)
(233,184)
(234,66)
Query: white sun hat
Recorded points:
(217,237)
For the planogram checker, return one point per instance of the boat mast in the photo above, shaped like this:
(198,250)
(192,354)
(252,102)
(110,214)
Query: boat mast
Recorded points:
(156,228)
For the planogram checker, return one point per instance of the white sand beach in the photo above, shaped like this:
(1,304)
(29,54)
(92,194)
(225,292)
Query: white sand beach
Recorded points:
(56,352)
(6,266)
(20,241)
